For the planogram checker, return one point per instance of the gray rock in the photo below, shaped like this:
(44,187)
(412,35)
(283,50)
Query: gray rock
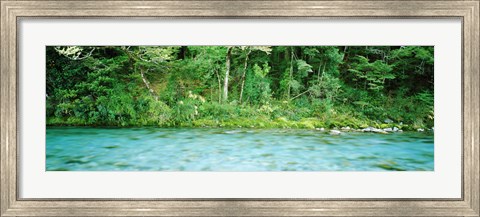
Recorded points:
(374,130)
(346,128)
(368,129)
(420,130)
(379,131)
(335,132)
(388,130)
(395,129)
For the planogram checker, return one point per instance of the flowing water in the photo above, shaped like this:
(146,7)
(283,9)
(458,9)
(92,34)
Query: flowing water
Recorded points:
(191,149)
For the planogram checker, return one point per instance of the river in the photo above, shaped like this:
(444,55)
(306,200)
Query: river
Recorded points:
(248,150)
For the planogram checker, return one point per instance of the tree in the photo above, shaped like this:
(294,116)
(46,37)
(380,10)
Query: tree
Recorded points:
(413,66)
(148,58)
(372,75)
(247,50)
(74,52)
(227,73)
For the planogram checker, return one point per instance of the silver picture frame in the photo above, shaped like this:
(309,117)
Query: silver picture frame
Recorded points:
(12,11)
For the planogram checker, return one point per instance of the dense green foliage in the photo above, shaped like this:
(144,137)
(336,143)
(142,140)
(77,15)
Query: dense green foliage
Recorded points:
(241,86)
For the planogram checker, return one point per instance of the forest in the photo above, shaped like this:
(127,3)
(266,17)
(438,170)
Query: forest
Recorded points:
(308,87)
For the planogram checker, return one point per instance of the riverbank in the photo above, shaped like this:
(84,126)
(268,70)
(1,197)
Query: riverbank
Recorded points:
(264,123)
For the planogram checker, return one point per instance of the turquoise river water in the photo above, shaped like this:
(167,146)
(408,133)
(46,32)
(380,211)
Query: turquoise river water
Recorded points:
(192,149)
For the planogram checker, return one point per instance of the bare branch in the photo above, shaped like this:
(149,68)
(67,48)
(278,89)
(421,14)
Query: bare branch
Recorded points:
(73,52)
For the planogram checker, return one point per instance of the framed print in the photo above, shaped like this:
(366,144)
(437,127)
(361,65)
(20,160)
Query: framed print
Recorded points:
(239,108)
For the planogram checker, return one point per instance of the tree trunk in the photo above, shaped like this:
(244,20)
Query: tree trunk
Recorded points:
(319,71)
(147,84)
(243,75)
(219,87)
(227,72)
(144,79)
(290,78)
